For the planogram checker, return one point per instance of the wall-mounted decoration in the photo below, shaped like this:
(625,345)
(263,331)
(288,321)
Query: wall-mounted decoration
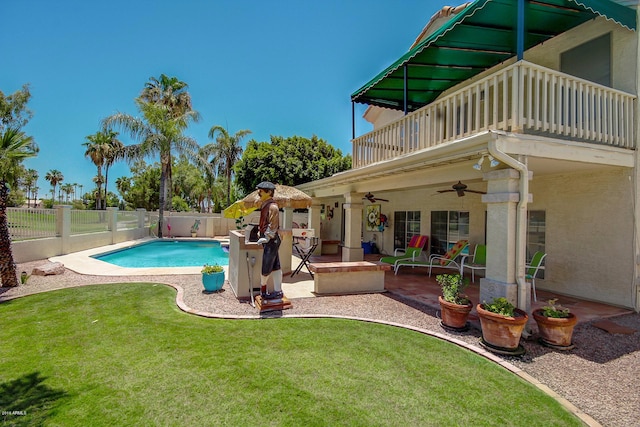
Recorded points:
(372,218)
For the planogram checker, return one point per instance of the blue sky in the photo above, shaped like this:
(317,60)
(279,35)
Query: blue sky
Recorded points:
(274,67)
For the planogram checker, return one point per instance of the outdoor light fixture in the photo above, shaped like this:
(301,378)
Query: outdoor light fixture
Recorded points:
(478,166)
(492,162)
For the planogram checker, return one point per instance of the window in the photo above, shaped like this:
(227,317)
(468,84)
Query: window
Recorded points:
(590,60)
(406,224)
(447,227)
(536,222)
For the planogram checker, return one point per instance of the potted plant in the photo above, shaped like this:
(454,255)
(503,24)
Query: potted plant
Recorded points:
(555,325)
(502,325)
(194,228)
(212,277)
(455,306)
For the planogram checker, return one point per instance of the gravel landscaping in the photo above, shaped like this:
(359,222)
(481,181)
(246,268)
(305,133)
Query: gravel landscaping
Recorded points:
(599,377)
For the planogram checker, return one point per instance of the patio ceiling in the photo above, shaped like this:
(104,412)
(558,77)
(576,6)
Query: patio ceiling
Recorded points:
(481,36)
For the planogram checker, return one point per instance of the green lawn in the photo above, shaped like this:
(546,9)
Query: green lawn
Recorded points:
(124,354)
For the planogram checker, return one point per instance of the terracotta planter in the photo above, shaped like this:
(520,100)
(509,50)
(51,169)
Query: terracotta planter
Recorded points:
(555,331)
(502,332)
(454,315)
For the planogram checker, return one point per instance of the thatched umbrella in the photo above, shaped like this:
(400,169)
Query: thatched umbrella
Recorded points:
(285,197)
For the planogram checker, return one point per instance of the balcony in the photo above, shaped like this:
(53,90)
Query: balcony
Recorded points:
(520,98)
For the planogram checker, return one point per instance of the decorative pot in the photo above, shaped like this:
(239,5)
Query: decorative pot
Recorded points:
(194,234)
(454,315)
(213,282)
(555,331)
(502,332)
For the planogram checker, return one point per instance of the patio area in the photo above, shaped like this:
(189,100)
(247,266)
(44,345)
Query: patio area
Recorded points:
(414,284)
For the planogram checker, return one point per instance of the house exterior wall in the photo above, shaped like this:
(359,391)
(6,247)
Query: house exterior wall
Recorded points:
(427,200)
(590,234)
(623,50)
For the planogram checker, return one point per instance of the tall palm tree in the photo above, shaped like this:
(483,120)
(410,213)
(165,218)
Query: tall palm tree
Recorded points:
(170,92)
(166,112)
(15,146)
(54,177)
(227,150)
(114,150)
(67,189)
(30,179)
(103,148)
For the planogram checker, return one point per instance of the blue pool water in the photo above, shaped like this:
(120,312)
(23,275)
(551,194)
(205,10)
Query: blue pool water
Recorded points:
(168,253)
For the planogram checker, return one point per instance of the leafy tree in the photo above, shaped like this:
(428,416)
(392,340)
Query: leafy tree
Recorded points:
(54,177)
(226,152)
(13,109)
(166,112)
(289,161)
(15,147)
(143,187)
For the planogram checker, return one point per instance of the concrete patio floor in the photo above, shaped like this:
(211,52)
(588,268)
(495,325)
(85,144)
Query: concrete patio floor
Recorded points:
(414,284)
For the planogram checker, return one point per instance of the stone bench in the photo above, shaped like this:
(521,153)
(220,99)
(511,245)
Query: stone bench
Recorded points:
(348,277)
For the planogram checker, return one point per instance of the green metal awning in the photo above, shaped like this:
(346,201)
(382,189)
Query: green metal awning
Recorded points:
(479,37)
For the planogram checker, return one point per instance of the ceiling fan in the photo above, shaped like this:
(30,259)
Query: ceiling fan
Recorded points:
(461,188)
(372,199)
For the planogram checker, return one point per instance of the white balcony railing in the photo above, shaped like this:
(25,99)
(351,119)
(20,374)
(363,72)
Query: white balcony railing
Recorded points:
(522,97)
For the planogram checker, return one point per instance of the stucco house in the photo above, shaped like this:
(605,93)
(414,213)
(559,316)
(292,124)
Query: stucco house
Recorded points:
(533,103)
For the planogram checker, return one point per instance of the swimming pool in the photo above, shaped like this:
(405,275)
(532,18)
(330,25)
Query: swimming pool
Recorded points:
(168,253)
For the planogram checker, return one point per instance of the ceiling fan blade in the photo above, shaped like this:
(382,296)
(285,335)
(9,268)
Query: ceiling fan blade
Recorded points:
(476,191)
(445,191)
(460,193)
(383,200)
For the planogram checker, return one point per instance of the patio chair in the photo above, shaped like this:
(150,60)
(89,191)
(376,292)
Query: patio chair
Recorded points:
(532,269)
(413,252)
(478,261)
(450,258)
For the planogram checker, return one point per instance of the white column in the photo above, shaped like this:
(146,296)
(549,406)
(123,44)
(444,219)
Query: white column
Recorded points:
(352,250)
(502,199)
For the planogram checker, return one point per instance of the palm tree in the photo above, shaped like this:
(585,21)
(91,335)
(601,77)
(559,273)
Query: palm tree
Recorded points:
(95,152)
(30,179)
(103,148)
(226,150)
(166,112)
(114,150)
(99,180)
(54,177)
(67,189)
(170,92)
(15,146)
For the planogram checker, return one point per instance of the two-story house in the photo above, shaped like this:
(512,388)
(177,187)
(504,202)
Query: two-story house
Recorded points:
(534,104)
